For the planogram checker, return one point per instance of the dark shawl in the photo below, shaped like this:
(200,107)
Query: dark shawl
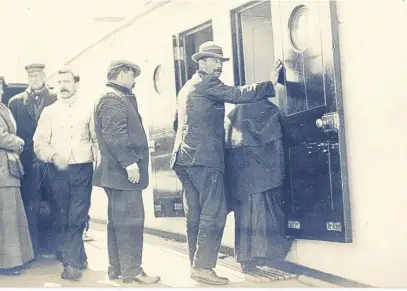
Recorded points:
(254,154)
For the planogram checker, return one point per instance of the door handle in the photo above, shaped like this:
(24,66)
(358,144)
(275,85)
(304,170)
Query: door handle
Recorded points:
(328,122)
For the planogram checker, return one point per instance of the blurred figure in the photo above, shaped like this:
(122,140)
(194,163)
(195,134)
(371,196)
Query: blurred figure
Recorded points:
(15,242)
(254,176)
(27,108)
(65,139)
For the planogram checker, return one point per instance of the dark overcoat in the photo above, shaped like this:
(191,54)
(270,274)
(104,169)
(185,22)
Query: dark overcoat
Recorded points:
(22,107)
(201,111)
(122,140)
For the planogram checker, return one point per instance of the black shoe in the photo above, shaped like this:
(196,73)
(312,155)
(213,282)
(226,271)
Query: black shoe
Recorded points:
(71,273)
(208,276)
(113,273)
(9,272)
(142,278)
(83,266)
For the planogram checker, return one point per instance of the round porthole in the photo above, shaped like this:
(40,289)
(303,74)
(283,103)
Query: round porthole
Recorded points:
(158,79)
(299,28)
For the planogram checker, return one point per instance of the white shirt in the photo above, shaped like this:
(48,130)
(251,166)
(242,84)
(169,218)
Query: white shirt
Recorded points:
(66,128)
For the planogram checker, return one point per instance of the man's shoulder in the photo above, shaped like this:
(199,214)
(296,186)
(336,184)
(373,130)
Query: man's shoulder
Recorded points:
(19,98)
(109,93)
(50,109)
(108,97)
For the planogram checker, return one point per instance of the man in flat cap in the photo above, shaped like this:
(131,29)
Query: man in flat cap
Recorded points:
(27,108)
(65,139)
(198,154)
(122,171)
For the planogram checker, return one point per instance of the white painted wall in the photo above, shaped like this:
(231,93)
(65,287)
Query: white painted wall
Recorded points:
(373,49)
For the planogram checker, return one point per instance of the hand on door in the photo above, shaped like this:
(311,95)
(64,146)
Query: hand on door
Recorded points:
(133,173)
(275,72)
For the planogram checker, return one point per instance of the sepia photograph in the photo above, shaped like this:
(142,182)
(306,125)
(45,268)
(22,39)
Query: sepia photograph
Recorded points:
(203,144)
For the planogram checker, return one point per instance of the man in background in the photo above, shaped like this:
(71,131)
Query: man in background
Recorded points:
(27,108)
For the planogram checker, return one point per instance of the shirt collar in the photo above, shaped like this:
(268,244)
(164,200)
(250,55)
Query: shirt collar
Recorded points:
(69,100)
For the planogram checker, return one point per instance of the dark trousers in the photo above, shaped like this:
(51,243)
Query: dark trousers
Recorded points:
(125,229)
(35,186)
(205,211)
(72,190)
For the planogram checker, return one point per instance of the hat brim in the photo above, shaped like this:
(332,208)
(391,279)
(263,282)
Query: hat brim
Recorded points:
(196,57)
(137,71)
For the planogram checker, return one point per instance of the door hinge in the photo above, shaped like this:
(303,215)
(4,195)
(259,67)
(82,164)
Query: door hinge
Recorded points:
(178,53)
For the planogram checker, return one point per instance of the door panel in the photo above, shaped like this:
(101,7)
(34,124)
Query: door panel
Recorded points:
(316,202)
(166,186)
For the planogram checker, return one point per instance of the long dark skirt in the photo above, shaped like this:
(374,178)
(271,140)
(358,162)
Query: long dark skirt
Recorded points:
(15,242)
(259,228)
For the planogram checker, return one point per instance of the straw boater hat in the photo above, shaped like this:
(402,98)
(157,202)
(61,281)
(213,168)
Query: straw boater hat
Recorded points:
(124,63)
(209,49)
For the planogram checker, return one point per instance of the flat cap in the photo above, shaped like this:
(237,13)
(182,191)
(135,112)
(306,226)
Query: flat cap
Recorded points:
(34,67)
(123,63)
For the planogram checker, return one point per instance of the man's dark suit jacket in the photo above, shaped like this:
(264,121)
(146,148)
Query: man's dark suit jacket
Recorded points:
(22,107)
(201,111)
(121,139)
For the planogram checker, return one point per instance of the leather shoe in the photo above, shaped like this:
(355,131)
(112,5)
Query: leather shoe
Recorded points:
(208,276)
(71,273)
(142,278)
(113,273)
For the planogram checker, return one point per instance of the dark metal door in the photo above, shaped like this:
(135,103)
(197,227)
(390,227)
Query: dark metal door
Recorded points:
(317,202)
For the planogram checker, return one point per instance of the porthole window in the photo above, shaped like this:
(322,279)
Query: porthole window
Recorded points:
(299,28)
(159,79)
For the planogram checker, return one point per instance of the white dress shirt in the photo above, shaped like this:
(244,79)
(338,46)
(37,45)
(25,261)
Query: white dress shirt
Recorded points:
(66,128)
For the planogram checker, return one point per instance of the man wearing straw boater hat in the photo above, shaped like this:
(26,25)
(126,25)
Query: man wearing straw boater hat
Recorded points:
(198,154)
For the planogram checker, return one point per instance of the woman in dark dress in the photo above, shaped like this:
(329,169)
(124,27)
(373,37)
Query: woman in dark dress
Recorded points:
(15,242)
(254,177)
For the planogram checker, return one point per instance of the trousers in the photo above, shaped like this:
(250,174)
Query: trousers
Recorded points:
(205,211)
(72,190)
(125,228)
(35,185)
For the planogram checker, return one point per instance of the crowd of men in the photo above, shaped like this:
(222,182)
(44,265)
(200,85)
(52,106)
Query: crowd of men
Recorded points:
(69,147)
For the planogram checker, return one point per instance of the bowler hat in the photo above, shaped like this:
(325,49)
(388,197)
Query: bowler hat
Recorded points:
(37,67)
(123,63)
(209,49)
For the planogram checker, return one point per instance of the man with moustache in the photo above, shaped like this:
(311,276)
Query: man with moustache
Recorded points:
(65,139)
(122,171)
(27,108)
(198,154)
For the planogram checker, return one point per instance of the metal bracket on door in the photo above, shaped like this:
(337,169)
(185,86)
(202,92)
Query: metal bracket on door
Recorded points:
(329,122)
